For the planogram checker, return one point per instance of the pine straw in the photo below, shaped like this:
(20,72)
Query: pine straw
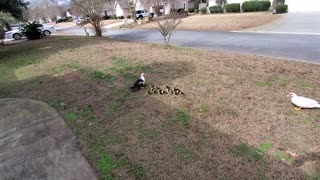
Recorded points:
(221,22)
(230,99)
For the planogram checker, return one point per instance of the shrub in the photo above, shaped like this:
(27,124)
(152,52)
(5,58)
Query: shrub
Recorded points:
(196,11)
(248,6)
(262,5)
(282,8)
(113,17)
(251,6)
(191,10)
(234,7)
(120,17)
(106,17)
(128,17)
(69,19)
(204,10)
(31,31)
(215,9)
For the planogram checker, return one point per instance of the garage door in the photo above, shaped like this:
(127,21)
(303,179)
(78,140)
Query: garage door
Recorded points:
(303,5)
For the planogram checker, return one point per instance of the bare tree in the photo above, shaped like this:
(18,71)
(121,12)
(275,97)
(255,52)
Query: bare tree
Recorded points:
(92,9)
(44,9)
(132,7)
(168,24)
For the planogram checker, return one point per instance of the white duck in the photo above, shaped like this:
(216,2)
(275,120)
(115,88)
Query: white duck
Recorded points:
(302,102)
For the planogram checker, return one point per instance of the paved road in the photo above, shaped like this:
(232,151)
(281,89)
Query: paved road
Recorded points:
(35,143)
(296,47)
(292,23)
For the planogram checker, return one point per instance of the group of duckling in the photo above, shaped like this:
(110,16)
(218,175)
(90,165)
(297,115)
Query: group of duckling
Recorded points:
(156,90)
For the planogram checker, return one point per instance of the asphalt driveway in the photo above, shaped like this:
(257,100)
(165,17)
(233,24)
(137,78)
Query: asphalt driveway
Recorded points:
(292,23)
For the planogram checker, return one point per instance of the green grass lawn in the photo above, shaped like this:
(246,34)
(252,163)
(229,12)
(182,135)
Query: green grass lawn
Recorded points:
(234,121)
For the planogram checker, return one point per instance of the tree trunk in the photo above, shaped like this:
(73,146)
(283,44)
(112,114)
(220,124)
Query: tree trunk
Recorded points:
(98,29)
(96,23)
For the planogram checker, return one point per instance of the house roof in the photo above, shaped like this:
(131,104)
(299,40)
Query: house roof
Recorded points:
(123,3)
(108,6)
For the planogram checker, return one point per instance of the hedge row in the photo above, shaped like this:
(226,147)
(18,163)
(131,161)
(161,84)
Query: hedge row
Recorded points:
(247,6)
(252,6)
(234,7)
(215,9)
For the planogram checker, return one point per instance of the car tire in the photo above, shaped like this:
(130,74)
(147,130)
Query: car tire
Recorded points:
(46,33)
(17,36)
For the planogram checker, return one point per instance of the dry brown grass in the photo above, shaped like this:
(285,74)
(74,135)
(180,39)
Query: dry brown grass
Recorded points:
(230,99)
(221,22)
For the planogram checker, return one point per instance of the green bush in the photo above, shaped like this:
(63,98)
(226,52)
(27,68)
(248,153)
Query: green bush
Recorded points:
(234,7)
(262,5)
(69,19)
(191,10)
(248,6)
(113,17)
(31,31)
(196,11)
(204,10)
(282,8)
(215,9)
(106,17)
(252,6)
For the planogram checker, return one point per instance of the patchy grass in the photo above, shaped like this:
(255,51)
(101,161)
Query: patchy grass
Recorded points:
(100,75)
(181,117)
(264,83)
(251,152)
(148,134)
(58,104)
(283,156)
(184,152)
(73,116)
(233,118)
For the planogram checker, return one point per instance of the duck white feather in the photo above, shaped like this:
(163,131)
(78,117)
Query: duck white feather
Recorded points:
(303,102)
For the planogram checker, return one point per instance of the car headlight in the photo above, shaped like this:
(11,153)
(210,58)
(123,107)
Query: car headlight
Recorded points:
(8,33)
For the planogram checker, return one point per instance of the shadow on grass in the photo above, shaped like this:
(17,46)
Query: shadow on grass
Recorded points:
(135,135)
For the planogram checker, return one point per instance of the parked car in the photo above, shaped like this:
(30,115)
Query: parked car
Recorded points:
(182,12)
(81,21)
(63,19)
(140,14)
(16,34)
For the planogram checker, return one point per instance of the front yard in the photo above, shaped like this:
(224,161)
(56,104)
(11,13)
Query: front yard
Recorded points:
(221,22)
(234,121)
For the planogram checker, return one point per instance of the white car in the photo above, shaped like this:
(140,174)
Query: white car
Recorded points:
(16,34)
(140,14)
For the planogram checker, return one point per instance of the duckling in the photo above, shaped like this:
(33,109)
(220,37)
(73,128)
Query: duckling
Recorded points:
(177,91)
(162,92)
(169,90)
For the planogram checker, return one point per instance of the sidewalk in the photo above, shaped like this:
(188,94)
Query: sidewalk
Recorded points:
(35,143)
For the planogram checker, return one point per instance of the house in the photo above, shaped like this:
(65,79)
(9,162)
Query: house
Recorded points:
(122,6)
(108,9)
